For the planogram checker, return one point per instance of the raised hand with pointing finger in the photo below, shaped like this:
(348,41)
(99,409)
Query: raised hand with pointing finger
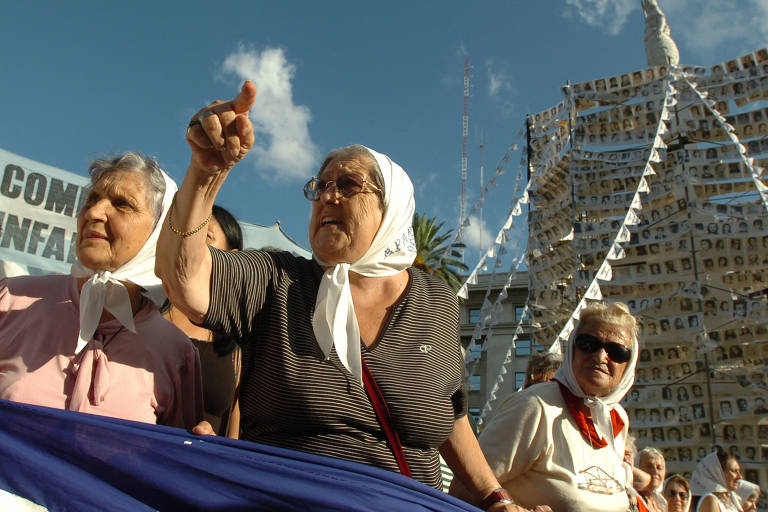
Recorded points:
(220,135)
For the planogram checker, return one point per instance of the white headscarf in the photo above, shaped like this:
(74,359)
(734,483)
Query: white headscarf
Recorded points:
(601,407)
(687,505)
(708,476)
(393,249)
(103,290)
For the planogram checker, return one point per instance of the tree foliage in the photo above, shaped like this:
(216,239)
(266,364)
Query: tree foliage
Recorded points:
(432,255)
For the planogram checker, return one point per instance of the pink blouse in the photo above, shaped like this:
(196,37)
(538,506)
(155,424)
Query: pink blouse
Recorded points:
(152,375)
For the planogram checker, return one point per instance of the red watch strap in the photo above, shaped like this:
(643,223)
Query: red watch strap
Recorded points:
(499,495)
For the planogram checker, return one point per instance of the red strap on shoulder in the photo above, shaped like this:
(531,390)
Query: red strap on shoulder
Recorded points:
(385,419)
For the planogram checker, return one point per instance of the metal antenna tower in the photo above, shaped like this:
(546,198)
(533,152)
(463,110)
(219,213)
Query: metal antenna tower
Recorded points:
(482,188)
(464,134)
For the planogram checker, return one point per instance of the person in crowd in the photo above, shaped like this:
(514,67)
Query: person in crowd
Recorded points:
(562,443)
(219,355)
(329,341)
(677,492)
(636,477)
(651,461)
(94,341)
(541,368)
(715,479)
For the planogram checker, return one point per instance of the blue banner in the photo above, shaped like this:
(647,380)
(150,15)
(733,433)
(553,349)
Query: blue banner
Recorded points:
(65,460)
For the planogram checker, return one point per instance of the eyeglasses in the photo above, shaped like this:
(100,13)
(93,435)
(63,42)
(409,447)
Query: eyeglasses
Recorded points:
(616,351)
(346,185)
(678,494)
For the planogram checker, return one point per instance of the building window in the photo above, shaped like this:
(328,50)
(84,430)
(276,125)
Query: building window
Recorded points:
(474,315)
(519,379)
(538,347)
(523,348)
(475,381)
(519,313)
(475,412)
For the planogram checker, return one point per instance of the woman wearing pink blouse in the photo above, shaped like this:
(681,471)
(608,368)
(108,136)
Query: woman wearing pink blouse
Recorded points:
(94,341)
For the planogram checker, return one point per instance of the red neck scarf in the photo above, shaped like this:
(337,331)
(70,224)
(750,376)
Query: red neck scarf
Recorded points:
(585,424)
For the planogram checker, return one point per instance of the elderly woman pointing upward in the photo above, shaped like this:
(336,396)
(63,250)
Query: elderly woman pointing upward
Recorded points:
(353,354)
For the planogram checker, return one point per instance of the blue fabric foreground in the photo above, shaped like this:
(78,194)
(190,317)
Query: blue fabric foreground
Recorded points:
(72,461)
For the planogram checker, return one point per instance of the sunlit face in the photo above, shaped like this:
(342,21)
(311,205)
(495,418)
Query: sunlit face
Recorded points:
(655,467)
(676,496)
(732,473)
(215,236)
(595,372)
(629,456)
(342,228)
(115,221)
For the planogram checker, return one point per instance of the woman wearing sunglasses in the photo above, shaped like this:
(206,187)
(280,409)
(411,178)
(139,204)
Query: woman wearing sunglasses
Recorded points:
(353,354)
(562,443)
(677,492)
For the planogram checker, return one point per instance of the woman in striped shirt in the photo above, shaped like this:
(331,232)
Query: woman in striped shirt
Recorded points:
(327,340)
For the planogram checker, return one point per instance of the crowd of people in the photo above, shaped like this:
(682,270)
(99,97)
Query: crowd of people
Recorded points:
(353,354)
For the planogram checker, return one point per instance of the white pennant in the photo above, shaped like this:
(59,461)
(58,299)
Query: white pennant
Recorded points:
(605,273)
(624,235)
(593,292)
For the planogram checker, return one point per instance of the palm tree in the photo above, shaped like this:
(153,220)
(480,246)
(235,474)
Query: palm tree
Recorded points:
(431,247)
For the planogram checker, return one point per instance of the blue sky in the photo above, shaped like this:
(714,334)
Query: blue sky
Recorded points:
(81,79)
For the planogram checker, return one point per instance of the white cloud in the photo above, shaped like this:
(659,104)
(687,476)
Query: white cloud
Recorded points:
(494,84)
(461,51)
(705,25)
(498,81)
(700,26)
(476,235)
(423,184)
(609,15)
(284,148)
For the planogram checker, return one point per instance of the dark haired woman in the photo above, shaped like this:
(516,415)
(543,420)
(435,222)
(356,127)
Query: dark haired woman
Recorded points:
(715,479)
(219,355)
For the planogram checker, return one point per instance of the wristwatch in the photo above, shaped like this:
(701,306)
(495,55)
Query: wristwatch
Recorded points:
(499,495)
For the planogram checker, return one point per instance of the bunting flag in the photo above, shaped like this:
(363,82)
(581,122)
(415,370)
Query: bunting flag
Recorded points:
(605,273)
(498,245)
(491,184)
(493,394)
(64,460)
(755,173)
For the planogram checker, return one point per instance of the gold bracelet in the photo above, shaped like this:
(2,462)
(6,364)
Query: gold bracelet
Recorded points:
(185,234)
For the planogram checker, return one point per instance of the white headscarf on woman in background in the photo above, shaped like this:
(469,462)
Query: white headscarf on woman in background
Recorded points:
(601,407)
(708,477)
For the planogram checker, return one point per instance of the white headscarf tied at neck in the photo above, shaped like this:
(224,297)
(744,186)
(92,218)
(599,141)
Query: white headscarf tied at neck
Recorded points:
(103,290)
(600,407)
(393,249)
(708,476)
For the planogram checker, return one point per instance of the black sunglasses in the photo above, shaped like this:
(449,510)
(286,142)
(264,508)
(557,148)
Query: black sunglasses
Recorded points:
(616,351)
(678,494)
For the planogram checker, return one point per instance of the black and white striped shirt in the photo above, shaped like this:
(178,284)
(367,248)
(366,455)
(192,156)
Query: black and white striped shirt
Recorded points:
(292,397)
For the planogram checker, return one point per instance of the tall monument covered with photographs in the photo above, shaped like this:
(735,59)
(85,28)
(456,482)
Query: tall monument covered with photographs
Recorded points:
(650,188)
